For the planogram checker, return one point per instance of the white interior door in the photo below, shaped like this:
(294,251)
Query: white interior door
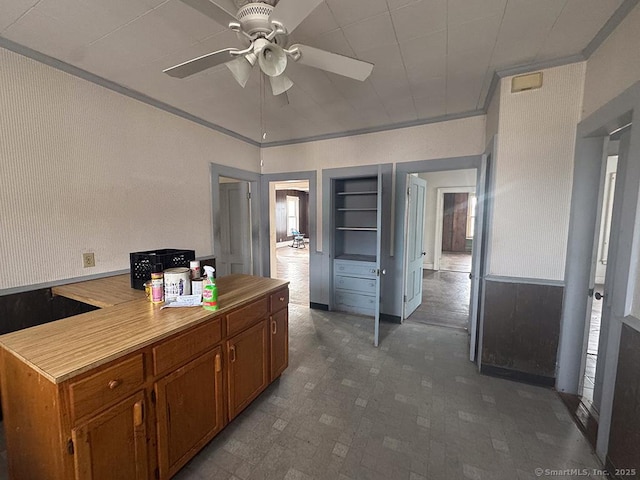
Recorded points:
(417,195)
(477,258)
(235,229)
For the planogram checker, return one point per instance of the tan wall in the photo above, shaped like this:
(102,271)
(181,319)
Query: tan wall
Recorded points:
(85,169)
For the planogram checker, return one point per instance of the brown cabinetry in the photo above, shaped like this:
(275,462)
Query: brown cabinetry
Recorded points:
(113,444)
(149,402)
(189,410)
(247,373)
(279,347)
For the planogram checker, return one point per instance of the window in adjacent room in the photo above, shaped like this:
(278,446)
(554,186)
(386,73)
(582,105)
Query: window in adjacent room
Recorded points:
(471,215)
(293,214)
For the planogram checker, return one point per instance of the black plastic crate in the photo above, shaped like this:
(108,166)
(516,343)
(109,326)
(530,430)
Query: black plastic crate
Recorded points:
(142,263)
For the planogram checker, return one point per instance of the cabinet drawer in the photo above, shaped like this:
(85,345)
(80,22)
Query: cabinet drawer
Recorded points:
(100,389)
(359,269)
(365,285)
(247,316)
(174,352)
(279,300)
(355,302)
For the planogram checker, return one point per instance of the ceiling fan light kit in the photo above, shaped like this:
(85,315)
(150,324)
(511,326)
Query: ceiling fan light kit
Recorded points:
(265,29)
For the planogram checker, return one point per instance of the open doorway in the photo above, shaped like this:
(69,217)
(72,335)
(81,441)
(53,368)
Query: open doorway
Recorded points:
(446,249)
(289,236)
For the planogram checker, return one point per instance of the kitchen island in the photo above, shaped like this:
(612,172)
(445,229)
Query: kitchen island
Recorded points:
(134,391)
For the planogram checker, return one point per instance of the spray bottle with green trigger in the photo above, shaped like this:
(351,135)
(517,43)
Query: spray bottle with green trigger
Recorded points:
(210,290)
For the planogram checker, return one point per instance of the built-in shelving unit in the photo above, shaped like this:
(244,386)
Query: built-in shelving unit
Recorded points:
(355,244)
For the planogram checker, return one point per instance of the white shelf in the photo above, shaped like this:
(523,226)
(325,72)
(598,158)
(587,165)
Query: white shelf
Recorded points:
(372,192)
(363,209)
(358,229)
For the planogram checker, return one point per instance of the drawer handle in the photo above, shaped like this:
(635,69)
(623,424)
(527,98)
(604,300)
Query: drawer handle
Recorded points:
(113,384)
(274,327)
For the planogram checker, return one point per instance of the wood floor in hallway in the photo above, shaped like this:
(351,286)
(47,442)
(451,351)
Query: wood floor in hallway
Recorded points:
(293,265)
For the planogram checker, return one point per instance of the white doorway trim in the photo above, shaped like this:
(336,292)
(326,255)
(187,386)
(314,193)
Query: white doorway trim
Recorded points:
(437,247)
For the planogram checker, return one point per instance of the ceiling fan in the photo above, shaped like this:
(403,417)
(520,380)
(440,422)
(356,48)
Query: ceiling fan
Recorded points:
(264,29)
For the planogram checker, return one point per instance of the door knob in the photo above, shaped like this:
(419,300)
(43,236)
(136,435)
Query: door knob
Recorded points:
(599,296)
(470,276)
(424,253)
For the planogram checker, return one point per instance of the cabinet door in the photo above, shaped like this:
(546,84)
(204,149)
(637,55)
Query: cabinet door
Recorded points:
(113,444)
(189,410)
(247,372)
(279,343)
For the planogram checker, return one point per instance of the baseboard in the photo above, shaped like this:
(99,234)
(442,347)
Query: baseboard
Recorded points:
(390,318)
(319,306)
(523,377)
(427,266)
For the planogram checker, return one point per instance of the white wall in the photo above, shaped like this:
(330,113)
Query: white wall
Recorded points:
(84,169)
(435,180)
(493,114)
(615,65)
(425,142)
(533,175)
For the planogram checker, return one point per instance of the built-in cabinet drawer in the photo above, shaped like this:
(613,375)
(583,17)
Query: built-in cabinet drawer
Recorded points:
(354,286)
(355,302)
(94,392)
(355,268)
(174,352)
(365,285)
(247,316)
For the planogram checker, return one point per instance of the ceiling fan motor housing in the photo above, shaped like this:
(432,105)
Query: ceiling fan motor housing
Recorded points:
(254,18)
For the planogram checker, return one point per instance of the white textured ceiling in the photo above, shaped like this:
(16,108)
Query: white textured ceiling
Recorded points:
(432,57)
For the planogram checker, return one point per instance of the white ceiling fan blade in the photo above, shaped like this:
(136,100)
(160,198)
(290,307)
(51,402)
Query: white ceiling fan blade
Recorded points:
(280,84)
(332,62)
(220,10)
(291,13)
(199,64)
(241,68)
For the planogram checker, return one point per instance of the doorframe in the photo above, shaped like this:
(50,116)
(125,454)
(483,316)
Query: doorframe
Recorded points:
(216,171)
(590,141)
(437,165)
(437,250)
(265,206)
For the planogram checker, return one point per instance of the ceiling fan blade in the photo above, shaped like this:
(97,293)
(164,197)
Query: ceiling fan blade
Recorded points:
(241,68)
(332,62)
(199,64)
(220,10)
(291,13)
(280,84)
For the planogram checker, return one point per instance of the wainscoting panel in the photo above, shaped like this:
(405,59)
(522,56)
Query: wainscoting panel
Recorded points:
(521,330)
(624,437)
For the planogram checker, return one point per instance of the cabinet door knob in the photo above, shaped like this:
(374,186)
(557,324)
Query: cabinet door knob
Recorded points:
(114,384)
(274,327)
(232,353)
(282,299)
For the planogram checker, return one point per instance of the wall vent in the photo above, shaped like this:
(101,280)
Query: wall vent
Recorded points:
(529,81)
